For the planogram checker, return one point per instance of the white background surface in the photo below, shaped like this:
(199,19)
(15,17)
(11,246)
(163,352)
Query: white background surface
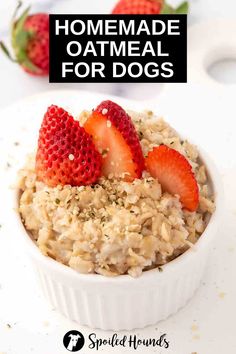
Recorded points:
(207,324)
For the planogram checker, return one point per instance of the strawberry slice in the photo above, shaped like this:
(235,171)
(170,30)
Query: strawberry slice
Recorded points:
(115,137)
(174,174)
(66,153)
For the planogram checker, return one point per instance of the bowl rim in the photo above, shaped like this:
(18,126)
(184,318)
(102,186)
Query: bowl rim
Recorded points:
(170,267)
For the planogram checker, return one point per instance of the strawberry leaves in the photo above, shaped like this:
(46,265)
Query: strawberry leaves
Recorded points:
(6,51)
(183,8)
(20,39)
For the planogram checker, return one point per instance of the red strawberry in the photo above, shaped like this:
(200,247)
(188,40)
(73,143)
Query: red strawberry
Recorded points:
(174,174)
(114,135)
(138,7)
(148,7)
(66,153)
(30,41)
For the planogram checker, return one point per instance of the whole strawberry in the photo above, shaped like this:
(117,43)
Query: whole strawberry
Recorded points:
(148,7)
(138,7)
(66,153)
(30,42)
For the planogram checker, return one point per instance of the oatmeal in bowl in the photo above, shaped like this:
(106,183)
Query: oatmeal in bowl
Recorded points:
(114,196)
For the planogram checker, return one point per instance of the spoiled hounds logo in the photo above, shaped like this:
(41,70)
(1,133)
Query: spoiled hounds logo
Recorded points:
(73,341)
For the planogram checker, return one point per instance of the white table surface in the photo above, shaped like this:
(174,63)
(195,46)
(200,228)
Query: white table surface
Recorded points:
(206,325)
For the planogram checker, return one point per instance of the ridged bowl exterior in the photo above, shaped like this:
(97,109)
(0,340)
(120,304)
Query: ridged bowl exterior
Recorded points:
(134,304)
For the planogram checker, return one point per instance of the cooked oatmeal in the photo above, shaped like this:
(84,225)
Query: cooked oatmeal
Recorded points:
(116,227)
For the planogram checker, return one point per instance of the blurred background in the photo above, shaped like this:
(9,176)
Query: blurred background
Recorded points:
(209,22)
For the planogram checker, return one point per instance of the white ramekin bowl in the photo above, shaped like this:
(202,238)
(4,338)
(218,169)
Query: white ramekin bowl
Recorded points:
(124,303)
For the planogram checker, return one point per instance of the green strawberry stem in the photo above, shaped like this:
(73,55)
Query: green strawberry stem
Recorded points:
(2,45)
(6,51)
(19,39)
(181,9)
(19,4)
